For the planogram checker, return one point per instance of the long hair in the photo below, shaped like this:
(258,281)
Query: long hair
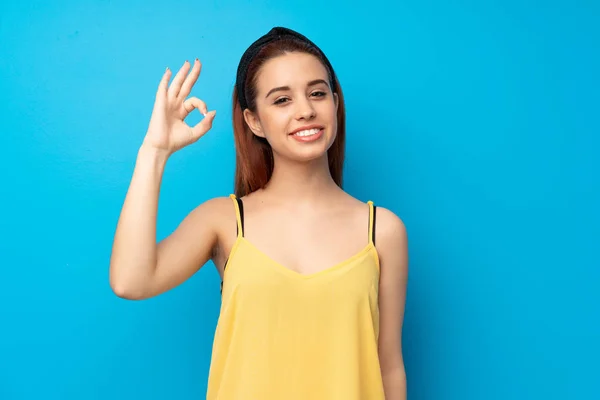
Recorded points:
(254,156)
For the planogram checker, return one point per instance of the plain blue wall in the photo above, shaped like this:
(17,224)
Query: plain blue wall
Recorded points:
(476,122)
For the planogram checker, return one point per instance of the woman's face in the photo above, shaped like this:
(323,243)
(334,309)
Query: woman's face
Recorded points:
(296,108)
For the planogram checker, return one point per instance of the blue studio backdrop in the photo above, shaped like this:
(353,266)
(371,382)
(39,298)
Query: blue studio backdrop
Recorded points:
(477,122)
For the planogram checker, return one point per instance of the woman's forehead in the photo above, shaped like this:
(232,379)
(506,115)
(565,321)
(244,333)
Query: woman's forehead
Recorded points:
(290,69)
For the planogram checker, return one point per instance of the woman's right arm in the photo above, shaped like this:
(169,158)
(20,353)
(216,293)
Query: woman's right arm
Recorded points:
(139,266)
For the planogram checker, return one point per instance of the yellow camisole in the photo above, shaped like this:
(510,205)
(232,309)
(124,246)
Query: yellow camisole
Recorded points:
(284,335)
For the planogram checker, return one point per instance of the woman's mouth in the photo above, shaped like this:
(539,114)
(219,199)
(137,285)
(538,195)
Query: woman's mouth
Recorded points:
(308,135)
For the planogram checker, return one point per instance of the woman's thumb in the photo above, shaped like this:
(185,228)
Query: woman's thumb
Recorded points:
(204,126)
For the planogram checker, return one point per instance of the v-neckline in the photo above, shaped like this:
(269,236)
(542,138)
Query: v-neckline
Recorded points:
(299,275)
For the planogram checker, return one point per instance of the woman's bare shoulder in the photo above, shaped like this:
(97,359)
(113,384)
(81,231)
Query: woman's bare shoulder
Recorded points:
(215,204)
(213,211)
(389,225)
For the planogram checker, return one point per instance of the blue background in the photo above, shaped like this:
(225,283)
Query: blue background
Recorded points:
(476,122)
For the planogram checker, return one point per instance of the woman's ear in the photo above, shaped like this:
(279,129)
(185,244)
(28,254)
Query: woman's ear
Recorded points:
(253,122)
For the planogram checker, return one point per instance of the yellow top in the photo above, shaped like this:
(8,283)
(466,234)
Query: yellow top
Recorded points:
(284,335)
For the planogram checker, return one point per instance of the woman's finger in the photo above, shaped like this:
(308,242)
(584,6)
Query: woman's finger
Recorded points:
(194,102)
(203,126)
(178,80)
(163,84)
(190,80)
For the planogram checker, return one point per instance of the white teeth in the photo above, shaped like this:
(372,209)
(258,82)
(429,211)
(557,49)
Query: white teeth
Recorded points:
(307,132)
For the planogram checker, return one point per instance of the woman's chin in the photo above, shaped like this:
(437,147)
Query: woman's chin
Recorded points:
(308,155)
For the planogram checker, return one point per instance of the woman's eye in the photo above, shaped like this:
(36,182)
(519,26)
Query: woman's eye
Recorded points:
(283,100)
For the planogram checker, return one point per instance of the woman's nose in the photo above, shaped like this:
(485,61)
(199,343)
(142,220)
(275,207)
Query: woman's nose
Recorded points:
(306,110)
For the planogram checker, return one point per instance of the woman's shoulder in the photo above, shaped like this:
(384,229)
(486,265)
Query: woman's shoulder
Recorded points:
(390,234)
(215,204)
(389,225)
(213,209)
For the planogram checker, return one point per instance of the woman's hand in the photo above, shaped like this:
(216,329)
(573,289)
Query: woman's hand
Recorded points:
(167,131)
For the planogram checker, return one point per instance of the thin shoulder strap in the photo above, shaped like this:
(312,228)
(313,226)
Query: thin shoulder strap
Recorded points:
(239,213)
(372,215)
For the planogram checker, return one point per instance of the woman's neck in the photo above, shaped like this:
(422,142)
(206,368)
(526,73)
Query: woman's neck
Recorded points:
(302,182)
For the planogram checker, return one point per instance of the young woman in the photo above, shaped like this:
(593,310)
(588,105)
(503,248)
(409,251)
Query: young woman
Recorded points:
(313,280)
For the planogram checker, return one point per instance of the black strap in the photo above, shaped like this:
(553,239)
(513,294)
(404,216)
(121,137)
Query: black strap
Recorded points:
(373,232)
(241,207)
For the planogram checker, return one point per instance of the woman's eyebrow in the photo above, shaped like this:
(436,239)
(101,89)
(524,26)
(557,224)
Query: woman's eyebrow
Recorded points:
(284,88)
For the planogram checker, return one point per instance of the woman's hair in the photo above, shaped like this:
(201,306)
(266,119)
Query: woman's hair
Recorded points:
(254,156)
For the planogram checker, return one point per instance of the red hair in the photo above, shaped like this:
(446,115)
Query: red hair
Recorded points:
(254,156)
